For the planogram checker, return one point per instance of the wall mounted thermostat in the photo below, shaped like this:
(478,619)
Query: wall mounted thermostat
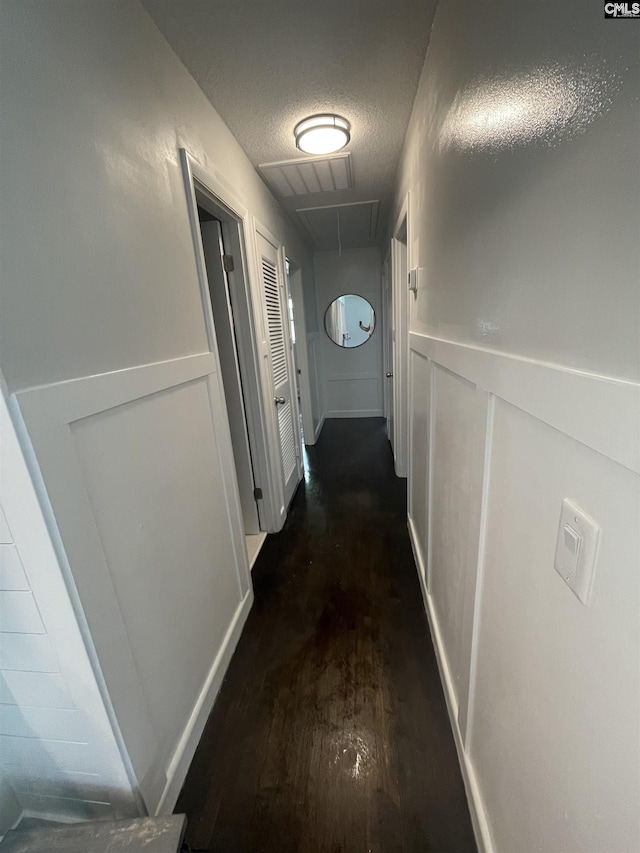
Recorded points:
(577,549)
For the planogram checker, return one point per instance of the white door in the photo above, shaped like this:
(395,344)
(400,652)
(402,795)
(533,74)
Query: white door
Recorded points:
(282,385)
(388,353)
(400,351)
(223,320)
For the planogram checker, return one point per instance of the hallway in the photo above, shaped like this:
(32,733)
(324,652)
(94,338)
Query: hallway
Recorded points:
(330,732)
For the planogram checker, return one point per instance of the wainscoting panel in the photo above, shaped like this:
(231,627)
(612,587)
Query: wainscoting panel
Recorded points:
(138,467)
(459,417)
(350,395)
(557,683)
(418,483)
(536,683)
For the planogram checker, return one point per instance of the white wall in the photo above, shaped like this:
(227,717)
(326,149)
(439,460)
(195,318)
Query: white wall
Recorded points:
(96,106)
(104,347)
(523,167)
(351,378)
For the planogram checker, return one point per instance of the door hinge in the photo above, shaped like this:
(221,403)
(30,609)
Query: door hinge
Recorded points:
(227,263)
(257,494)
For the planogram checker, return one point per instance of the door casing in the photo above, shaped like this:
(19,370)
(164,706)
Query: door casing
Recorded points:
(400,243)
(238,228)
(280,498)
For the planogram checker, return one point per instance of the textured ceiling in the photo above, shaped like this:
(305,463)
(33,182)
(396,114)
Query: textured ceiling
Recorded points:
(266,64)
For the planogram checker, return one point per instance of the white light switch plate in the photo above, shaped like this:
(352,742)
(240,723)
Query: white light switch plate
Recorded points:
(417,279)
(577,549)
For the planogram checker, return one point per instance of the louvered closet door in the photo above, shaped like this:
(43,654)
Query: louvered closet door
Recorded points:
(282,385)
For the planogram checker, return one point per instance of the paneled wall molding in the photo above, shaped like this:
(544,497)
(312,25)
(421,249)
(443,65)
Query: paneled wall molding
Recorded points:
(476,418)
(73,399)
(111,513)
(599,411)
(476,805)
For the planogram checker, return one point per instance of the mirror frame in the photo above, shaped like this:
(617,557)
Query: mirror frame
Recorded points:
(324,320)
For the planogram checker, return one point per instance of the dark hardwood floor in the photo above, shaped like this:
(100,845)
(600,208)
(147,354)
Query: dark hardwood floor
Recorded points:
(330,732)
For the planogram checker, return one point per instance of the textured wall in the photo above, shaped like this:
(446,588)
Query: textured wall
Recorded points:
(523,168)
(97,262)
(524,165)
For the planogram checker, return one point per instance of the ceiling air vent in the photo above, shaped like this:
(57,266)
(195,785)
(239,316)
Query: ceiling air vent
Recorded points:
(315,175)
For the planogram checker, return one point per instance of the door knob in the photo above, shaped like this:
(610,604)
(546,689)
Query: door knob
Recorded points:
(279,401)
(389,375)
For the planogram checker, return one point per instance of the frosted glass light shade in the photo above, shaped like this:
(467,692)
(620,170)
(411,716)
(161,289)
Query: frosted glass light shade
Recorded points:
(322,134)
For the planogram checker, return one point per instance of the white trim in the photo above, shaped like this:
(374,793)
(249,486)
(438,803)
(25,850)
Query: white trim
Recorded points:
(417,548)
(430,456)
(474,798)
(410,469)
(249,328)
(465,712)
(274,452)
(387,361)
(319,427)
(261,539)
(293,376)
(599,411)
(73,399)
(296,289)
(353,413)
(400,301)
(178,765)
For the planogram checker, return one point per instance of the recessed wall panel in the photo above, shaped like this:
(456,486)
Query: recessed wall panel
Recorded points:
(419,450)
(153,477)
(459,420)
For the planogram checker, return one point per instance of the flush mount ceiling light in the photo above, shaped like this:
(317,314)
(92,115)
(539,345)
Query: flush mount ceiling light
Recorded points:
(322,134)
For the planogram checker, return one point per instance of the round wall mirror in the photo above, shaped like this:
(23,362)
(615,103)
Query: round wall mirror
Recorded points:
(350,320)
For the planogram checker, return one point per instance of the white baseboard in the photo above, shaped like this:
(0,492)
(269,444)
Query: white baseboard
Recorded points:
(318,429)
(254,546)
(354,413)
(179,765)
(417,553)
(476,806)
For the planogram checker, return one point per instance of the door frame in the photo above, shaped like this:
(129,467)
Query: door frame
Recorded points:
(291,361)
(400,298)
(271,419)
(304,382)
(238,225)
(222,302)
(387,346)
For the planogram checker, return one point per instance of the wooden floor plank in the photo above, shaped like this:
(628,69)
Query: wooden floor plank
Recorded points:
(330,733)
